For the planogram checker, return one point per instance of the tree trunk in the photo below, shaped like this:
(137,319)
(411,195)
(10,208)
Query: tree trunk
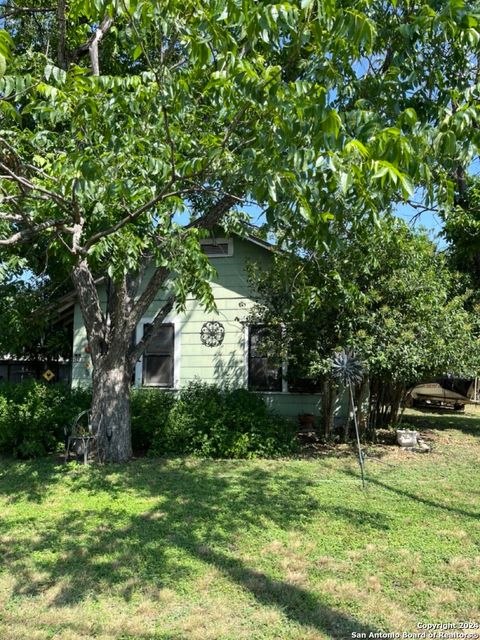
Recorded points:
(397,398)
(361,398)
(111,408)
(329,396)
(373,408)
(61,46)
(346,426)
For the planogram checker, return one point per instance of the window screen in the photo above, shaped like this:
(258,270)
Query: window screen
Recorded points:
(264,373)
(215,249)
(21,371)
(158,359)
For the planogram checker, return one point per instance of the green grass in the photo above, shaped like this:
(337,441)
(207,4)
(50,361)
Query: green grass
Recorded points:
(175,549)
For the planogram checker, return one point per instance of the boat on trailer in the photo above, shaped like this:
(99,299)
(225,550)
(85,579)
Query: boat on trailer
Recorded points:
(445,393)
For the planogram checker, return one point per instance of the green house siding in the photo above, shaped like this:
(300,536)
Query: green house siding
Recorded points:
(224,364)
(81,362)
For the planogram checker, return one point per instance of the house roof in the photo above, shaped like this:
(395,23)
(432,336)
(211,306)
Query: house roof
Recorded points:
(260,242)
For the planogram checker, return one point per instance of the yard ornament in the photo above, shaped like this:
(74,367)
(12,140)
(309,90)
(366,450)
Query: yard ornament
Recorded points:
(348,370)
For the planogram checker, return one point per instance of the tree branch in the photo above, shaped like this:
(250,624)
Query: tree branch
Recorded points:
(25,234)
(158,279)
(24,182)
(95,41)
(90,304)
(11,10)
(213,216)
(130,217)
(136,352)
(86,47)
(61,51)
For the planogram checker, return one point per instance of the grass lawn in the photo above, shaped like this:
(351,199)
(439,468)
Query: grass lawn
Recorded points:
(194,549)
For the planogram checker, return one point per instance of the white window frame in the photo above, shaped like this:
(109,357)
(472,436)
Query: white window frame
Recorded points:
(173,320)
(227,241)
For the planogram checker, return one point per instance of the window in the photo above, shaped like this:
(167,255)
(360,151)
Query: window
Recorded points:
(21,371)
(217,247)
(304,385)
(264,373)
(3,372)
(158,360)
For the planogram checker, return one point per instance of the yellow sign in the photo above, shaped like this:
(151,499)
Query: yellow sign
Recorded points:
(48,375)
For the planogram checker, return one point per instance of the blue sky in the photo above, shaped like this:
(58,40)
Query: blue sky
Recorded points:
(428,220)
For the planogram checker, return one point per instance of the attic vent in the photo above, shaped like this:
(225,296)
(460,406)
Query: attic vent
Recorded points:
(217,248)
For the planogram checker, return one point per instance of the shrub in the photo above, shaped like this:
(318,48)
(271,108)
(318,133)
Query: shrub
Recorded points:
(33,415)
(150,411)
(206,420)
(200,420)
(405,426)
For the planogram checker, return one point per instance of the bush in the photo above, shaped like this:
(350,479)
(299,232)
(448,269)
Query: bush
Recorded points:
(200,420)
(405,426)
(150,410)
(207,421)
(33,415)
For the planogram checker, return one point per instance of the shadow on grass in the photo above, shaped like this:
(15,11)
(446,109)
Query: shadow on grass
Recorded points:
(466,423)
(198,511)
(29,479)
(416,497)
(296,603)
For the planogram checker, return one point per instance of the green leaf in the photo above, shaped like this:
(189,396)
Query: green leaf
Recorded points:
(6,44)
(332,123)
(407,186)
(355,146)
(346,181)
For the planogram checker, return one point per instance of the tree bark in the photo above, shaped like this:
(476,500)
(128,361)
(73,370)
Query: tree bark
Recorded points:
(361,398)
(111,407)
(397,398)
(328,407)
(112,369)
(94,43)
(61,47)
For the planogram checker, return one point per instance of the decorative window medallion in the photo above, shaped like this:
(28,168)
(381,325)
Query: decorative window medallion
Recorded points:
(212,333)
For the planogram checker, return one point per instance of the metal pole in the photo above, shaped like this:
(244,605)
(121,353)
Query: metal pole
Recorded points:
(360,453)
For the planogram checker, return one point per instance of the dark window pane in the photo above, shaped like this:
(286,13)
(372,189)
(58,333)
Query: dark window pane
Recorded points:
(264,374)
(304,385)
(162,342)
(158,370)
(158,360)
(220,249)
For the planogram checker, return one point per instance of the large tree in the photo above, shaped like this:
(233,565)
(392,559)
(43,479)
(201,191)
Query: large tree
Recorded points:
(129,128)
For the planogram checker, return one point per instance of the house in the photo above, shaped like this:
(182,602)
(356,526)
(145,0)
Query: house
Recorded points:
(15,369)
(38,363)
(212,347)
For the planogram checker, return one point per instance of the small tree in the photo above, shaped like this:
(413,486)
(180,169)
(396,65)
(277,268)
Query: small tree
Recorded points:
(382,291)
